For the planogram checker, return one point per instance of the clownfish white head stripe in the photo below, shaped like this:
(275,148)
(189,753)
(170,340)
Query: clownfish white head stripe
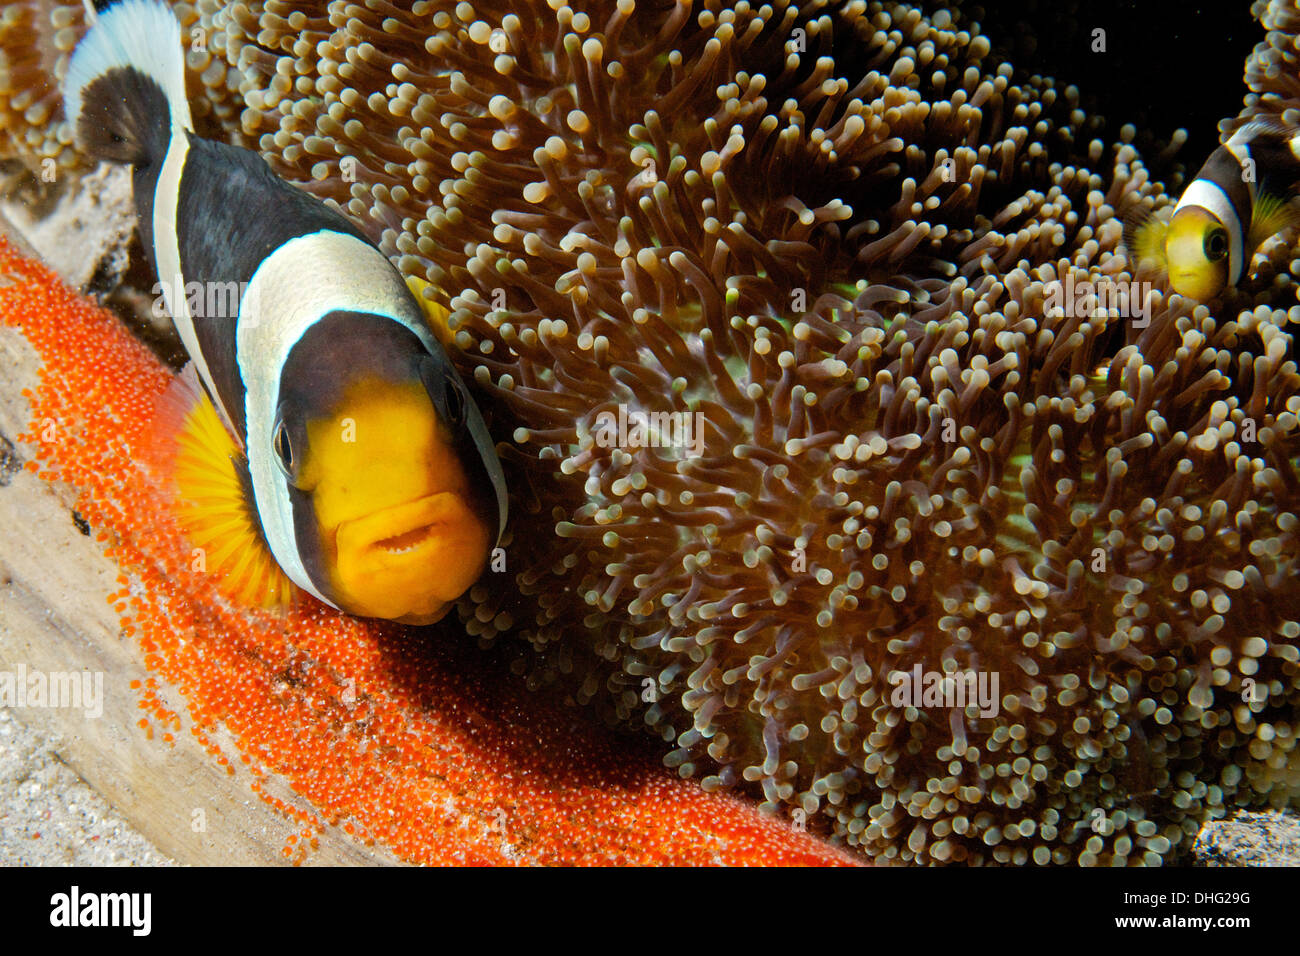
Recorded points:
(1207,195)
(336,446)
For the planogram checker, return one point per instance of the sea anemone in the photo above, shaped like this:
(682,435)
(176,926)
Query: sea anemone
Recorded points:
(852,253)
(35,40)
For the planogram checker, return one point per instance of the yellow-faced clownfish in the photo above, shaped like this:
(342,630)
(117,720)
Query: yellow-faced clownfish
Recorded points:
(335,445)
(1238,199)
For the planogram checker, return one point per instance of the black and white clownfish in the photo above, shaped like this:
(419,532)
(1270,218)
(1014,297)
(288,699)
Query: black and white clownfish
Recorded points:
(1240,197)
(326,443)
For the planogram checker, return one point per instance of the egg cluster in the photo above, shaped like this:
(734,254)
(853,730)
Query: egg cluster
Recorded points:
(844,246)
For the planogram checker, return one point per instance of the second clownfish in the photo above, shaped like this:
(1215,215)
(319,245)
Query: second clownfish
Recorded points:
(1240,197)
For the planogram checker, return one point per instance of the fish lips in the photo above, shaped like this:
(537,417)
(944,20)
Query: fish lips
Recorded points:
(408,562)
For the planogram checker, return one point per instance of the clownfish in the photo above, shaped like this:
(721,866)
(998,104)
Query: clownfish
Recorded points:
(1240,197)
(324,442)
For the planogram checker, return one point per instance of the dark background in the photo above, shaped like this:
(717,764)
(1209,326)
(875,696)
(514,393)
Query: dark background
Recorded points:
(1168,64)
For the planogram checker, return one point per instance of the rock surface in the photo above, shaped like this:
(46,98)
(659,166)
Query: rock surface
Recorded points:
(1271,838)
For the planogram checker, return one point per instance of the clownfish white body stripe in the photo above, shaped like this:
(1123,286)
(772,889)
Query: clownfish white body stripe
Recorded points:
(1241,195)
(353,461)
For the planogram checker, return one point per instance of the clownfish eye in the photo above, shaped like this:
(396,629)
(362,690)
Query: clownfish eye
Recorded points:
(446,392)
(283,449)
(453,404)
(1216,244)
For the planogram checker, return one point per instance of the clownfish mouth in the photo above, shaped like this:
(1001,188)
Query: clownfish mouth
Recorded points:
(407,540)
(1193,285)
(403,529)
(408,562)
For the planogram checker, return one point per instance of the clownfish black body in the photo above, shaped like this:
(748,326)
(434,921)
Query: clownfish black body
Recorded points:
(335,446)
(1241,196)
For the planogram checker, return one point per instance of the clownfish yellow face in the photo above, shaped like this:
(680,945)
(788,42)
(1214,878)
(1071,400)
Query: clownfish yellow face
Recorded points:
(1196,252)
(400,532)
(392,512)
(371,482)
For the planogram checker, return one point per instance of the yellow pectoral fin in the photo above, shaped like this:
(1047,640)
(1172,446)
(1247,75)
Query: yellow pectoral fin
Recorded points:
(1144,238)
(435,313)
(214,507)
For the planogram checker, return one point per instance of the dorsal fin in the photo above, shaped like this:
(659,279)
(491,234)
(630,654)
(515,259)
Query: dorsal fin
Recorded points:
(1265,125)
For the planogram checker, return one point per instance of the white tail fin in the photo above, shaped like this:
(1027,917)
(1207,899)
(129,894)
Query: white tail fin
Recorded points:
(131,48)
